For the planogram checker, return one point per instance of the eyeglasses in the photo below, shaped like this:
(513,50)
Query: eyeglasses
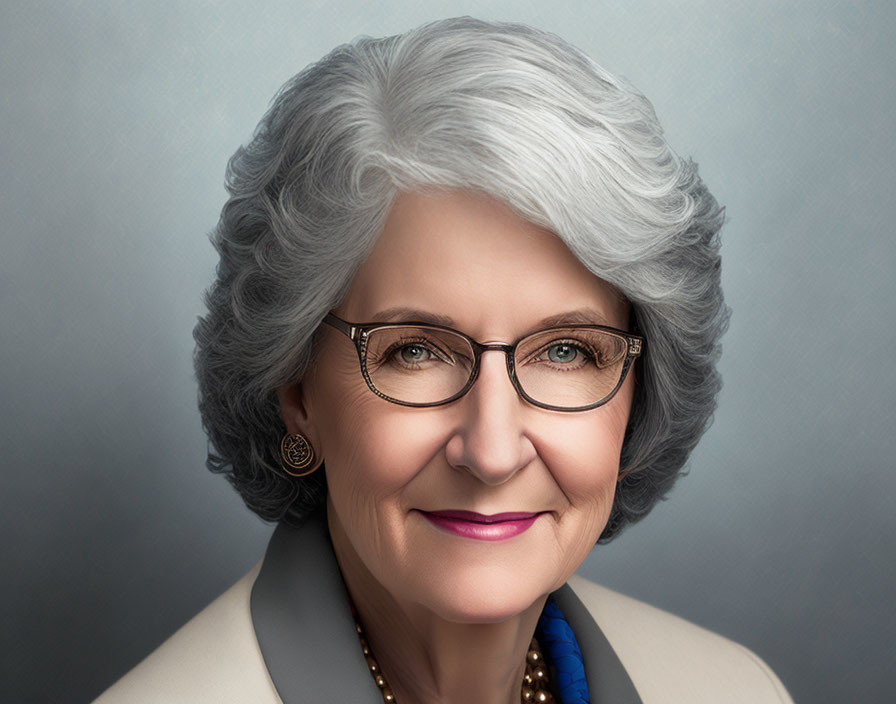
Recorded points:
(568,368)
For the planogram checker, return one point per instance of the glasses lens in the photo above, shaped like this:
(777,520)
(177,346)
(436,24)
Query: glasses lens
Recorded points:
(418,364)
(570,367)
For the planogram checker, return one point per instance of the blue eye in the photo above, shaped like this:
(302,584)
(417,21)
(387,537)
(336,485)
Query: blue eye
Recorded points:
(562,353)
(415,353)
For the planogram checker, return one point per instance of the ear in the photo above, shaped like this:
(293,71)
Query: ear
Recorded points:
(296,413)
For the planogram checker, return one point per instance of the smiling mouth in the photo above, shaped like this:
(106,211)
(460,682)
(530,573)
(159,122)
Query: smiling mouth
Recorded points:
(474,517)
(479,526)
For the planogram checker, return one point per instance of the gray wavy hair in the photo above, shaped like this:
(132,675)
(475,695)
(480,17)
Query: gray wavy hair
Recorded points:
(502,109)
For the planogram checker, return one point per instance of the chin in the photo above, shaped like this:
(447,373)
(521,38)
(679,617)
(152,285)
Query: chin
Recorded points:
(480,593)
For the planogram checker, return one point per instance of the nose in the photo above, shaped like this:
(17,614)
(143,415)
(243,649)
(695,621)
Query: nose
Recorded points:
(490,441)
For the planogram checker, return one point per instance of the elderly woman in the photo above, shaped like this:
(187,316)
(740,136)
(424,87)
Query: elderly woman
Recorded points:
(464,327)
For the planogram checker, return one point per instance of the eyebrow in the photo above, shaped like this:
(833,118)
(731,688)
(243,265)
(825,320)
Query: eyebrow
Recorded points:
(583,316)
(403,315)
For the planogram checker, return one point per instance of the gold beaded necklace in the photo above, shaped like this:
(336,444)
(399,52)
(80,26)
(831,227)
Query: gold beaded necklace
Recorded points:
(535,688)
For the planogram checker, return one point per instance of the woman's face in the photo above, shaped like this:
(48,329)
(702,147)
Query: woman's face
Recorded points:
(496,276)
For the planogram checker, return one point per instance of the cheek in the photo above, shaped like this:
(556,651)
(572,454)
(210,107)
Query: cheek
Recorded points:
(373,449)
(582,453)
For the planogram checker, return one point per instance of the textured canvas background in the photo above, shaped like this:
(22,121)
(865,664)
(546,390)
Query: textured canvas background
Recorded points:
(117,120)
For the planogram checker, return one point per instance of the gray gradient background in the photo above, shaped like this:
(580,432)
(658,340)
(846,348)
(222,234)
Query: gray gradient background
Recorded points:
(117,123)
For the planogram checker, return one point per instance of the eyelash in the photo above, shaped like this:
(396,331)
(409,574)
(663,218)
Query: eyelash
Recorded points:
(589,354)
(389,354)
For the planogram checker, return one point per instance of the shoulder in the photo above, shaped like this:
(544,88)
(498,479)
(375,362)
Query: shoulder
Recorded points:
(214,657)
(670,660)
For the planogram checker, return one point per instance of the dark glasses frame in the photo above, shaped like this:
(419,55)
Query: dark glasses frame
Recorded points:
(360,332)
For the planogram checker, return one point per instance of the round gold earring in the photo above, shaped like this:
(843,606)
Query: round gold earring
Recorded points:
(297,455)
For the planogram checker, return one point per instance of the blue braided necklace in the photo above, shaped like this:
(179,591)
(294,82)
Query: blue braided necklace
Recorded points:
(564,655)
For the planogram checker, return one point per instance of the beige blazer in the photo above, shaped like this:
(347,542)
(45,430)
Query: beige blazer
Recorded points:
(283,634)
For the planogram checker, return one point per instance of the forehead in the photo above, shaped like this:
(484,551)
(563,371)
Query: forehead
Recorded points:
(471,259)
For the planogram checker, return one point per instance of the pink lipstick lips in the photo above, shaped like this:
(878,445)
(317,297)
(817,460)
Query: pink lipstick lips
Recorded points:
(468,524)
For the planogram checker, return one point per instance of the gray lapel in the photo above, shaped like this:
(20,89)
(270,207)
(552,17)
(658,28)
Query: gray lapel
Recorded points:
(608,682)
(307,635)
(302,621)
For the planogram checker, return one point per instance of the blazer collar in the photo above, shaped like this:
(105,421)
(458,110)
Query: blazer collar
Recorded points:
(307,636)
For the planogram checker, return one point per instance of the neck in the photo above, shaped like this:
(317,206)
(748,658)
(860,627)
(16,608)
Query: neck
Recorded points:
(425,657)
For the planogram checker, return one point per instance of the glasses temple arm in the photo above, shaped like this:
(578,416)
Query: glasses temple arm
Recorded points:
(342,326)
